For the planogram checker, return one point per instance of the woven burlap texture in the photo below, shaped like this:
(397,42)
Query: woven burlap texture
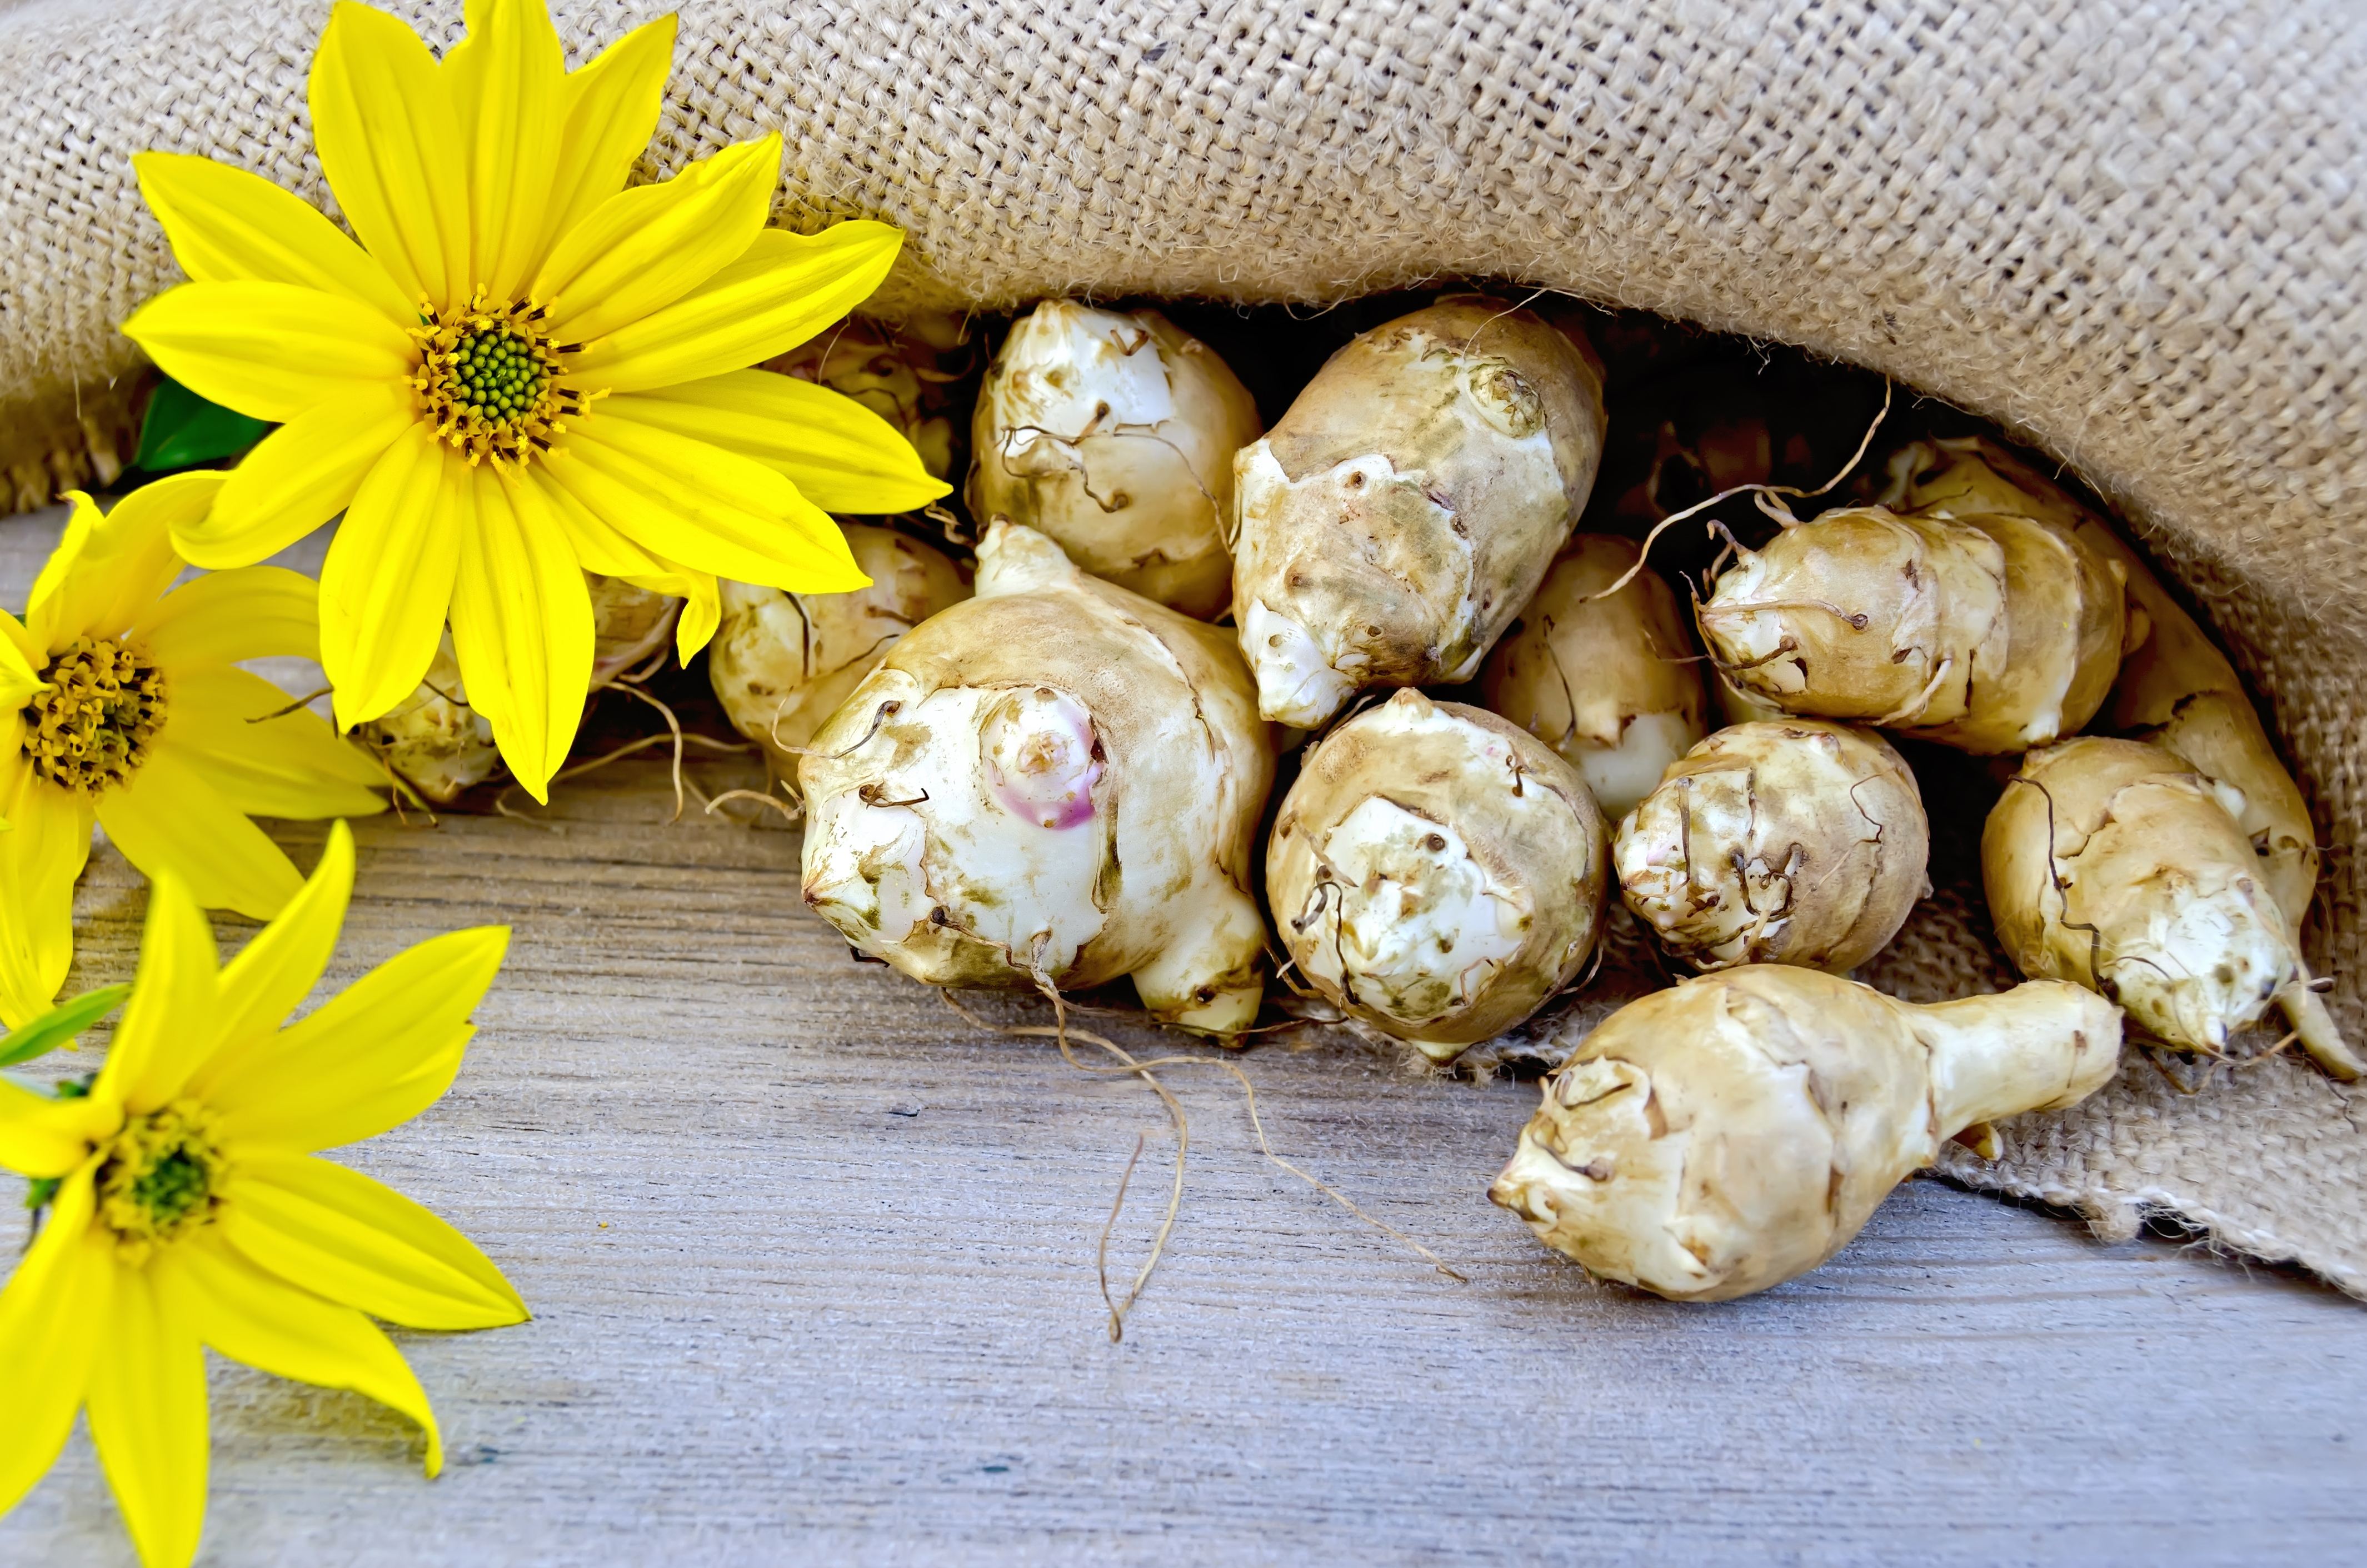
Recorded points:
(2132,233)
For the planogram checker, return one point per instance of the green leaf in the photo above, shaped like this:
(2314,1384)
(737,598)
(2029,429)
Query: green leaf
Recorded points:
(183,430)
(61,1024)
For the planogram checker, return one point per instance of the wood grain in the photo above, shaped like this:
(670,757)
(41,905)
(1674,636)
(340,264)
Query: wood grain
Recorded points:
(812,1264)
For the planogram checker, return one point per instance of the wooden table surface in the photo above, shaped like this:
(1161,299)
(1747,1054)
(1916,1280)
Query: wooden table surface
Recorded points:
(812,1263)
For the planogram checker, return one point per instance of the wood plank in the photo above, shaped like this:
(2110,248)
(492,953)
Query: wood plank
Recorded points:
(812,1261)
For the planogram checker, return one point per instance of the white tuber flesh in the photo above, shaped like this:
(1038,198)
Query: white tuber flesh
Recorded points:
(2115,864)
(1114,434)
(1727,1135)
(1988,633)
(1437,872)
(1612,684)
(1394,523)
(782,663)
(1056,781)
(1797,842)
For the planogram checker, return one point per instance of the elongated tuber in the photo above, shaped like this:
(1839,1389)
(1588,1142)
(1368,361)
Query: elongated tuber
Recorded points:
(1612,684)
(782,663)
(2175,687)
(1727,1135)
(1408,503)
(2115,864)
(1114,434)
(1057,781)
(1437,872)
(1798,842)
(1987,633)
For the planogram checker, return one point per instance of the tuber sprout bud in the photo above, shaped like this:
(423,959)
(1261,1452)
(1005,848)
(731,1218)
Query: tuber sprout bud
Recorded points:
(1988,633)
(1724,1136)
(783,663)
(1437,872)
(1796,842)
(2115,864)
(1609,683)
(1396,521)
(1114,434)
(1057,781)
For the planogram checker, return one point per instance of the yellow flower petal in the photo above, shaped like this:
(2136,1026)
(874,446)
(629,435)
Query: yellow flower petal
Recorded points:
(387,579)
(704,507)
(252,1315)
(269,350)
(252,612)
(300,475)
(702,612)
(171,819)
(645,248)
(41,855)
(611,109)
(174,1017)
(603,549)
(52,1315)
(840,455)
(42,1137)
(504,80)
(783,290)
(18,679)
(356,1240)
(106,571)
(147,1402)
(522,628)
(390,142)
(293,766)
(371,1058)
(229,226)
(278,969)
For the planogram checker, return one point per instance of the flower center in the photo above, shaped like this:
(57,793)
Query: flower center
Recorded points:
(94,726)
(489,380)
(161,1177)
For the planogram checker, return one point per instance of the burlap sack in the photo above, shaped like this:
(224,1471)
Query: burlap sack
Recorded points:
(2130,232)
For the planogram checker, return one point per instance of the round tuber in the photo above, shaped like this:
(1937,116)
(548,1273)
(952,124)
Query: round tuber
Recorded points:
(1727,1135)
(1609,683)
(1799,842)
(1114,434)
(1394,523)
(782,663)
(1437,872)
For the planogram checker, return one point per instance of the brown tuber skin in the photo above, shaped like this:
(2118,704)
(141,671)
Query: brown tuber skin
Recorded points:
(1797,842)
(1437,872)
(1987,633)
(1612,684)
(2115,864)
(1393,524)
(1731,1133)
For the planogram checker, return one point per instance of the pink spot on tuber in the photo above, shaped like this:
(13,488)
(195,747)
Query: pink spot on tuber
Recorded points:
(1042,760)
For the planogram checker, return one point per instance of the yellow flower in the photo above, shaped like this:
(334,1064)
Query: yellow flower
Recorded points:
(190,1210)
(120,702)
(523,368)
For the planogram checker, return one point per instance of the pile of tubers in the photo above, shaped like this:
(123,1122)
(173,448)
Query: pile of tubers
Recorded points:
(1498,734)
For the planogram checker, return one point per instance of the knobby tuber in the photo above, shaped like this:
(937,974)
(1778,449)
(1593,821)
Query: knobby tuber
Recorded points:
(1437,872)
(1799,842)
(1988,633)
(1612,684)
(1408,503)
(1724,1136)
(2115,864)
(782,663)
(1054,782)
(1114,434)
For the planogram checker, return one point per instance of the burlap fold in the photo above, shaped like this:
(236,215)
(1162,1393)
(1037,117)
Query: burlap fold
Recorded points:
(2131,233)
